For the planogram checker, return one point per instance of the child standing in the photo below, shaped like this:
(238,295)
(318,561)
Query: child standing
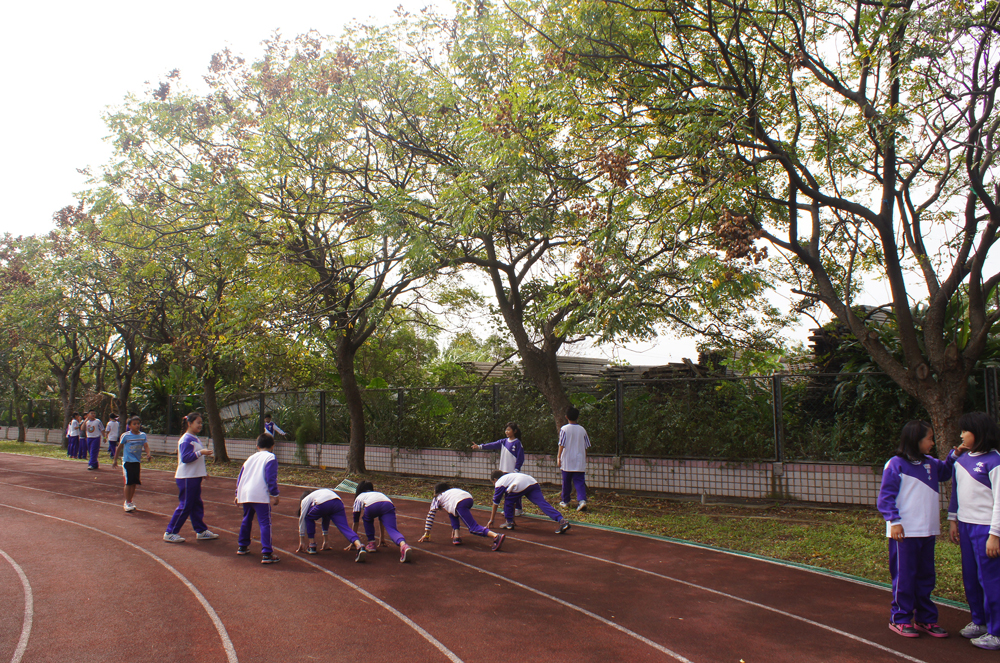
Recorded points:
(974,524)
(910,502)
(133,444)
(257,491)
(73,436)
(369,505)
(572,459)
(190,471)
(326,504)
(511,454)
(511,487)
(271,428)
(111,434)
(94,431)
(458,504)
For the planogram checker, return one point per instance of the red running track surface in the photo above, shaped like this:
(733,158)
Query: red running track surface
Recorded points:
(82,581)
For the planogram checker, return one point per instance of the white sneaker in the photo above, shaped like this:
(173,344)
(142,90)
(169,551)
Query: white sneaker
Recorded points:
(987,641)
(973,630)
(129,506)
(582,506)
(518,512)
(172,538)
(207,535)
(563,505)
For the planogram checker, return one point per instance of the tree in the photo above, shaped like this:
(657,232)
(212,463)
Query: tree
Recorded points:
(855,138)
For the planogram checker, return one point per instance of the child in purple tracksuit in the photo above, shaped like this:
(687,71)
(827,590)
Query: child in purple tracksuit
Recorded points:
(369,505)
(910,502)
(511,454)
(326,504)
(94,430)
(458,504)
(511,487)
(974,516)
(257,490)
(190,472)
(572,459)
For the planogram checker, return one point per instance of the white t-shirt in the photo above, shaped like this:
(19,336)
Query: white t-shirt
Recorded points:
(112,430)
(94,428)
(574,441)
(367,499)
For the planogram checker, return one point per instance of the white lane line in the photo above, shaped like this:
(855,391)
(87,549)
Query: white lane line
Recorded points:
(29,610)
(406,620)
(717,592)
(227,644)
(567,604)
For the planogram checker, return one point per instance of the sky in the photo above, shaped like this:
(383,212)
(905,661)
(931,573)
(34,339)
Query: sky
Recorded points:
(68,62)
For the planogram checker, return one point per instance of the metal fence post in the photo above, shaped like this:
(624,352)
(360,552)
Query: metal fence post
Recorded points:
(779,419)
(400,413)
(260,411)
(496,405)
(322,418)
(619,417)
(170,411)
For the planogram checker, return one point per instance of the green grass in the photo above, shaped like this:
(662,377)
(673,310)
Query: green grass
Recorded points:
(845,540)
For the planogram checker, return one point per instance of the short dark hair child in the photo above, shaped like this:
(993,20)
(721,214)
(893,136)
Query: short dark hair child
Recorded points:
(572,413)
(497,474)
(364,487)
(441,487)
(265,441)
(909,439)
(985,430)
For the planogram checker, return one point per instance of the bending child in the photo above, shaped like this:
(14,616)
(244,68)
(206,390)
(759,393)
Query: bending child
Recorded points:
(369,505)
(458,504)
(511,487)
(326,504)
(257,490)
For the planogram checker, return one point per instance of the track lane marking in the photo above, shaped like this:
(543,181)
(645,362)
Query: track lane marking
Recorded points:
(227,644)
(451,656)
(29,610)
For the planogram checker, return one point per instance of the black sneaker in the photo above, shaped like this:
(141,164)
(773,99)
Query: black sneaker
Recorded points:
(497,542)
(563,527)
(905,630)
(312,549)
(243,550)
(268,558)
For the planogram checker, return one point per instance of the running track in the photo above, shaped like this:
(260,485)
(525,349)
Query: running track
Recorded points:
(83,581)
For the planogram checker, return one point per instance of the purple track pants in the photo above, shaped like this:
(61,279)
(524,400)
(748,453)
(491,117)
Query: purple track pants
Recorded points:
(189,505)
(263,512)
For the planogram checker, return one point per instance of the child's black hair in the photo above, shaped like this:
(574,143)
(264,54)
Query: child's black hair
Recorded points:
(910,438)
(364,487)
(441,487)
(112,416)
(265,441)
(497,474)
(307,491)
(267,415)
(189,419)
(983,428)
(75,414)
(515,427)
(572,413)
(134,417)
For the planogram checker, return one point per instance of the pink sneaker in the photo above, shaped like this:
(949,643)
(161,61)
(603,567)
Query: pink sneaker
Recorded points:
(371,547)
(404,552)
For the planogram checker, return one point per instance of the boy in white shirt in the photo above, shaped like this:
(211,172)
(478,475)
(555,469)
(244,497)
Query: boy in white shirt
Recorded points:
(257,491)
(572,459)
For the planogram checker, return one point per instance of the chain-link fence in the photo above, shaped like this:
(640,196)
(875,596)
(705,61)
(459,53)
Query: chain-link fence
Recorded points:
(844,417)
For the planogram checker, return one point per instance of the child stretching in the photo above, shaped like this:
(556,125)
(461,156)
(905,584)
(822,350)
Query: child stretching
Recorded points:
(257,490)
(326,504)
(975,525)
(511,487)
(190,471)
(133,443)
(369,505)
(511,454)
(910,502)
(458,504)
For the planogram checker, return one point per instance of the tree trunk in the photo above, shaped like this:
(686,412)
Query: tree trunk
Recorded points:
(22,433)
(355,406)
(214,417)
(945,403)
(541,367)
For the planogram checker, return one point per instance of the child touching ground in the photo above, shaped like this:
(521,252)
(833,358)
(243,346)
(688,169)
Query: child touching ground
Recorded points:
(133,444)
(369,505)
(510,488)
(326,504)
(910,502)
(257,490)
(511,454)
(190,472)
(458,504)
(975,525)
